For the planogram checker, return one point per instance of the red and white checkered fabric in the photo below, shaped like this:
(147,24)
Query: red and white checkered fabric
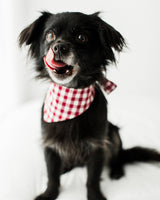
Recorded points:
(109,86)
(64,103)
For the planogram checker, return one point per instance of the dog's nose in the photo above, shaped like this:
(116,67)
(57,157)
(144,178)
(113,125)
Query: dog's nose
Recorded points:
(60,48)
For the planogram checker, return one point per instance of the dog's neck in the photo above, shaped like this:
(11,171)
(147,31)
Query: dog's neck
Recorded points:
(63,103)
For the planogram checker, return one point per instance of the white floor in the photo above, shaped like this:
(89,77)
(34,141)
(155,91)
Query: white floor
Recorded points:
(22,167)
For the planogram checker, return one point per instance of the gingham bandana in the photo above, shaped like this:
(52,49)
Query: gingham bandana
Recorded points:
(64,103)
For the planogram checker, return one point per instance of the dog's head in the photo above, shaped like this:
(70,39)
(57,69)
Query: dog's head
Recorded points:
(81,46)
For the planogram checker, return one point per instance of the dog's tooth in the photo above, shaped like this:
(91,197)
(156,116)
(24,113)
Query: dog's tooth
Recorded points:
(69,72)
(55,71)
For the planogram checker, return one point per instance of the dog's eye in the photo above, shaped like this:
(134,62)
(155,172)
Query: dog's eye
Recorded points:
(50,36)
(81,38)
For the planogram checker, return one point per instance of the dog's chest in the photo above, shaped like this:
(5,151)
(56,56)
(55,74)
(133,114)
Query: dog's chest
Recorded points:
(69,150)
(74,150)
(75,139)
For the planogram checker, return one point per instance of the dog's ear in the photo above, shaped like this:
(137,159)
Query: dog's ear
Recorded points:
(111,39)
(31,34)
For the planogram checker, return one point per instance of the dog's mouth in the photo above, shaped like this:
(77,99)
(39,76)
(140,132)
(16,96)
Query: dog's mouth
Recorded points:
(67,70)
(57,66)
(60,68)
(61,71)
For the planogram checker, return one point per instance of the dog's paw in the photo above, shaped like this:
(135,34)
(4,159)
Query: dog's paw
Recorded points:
(43,197)
(46,196)
(96,196)
(116,173)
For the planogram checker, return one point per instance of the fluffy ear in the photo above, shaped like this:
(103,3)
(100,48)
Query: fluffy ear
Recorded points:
(111,39)
(31,34)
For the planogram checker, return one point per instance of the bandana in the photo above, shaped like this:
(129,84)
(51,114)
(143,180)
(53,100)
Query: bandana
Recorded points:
(64,103)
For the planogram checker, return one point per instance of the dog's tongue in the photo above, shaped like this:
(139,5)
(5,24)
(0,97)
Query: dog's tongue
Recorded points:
(50,62)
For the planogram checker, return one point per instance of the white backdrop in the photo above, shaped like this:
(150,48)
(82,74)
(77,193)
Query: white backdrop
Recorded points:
(138,70)
(134,105)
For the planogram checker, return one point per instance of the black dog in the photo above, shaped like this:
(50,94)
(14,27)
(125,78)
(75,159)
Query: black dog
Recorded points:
(82,45)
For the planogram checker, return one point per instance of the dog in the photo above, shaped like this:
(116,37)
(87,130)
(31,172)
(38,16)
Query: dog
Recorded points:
(73,50)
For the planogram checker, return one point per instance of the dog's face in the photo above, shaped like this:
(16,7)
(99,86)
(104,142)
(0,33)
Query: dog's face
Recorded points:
(82,46)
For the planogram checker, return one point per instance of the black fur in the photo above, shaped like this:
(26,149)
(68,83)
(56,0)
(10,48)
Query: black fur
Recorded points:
(88,139)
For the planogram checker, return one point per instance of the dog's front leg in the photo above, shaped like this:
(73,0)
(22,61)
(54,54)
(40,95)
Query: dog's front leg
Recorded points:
(53,162)
(94,167)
